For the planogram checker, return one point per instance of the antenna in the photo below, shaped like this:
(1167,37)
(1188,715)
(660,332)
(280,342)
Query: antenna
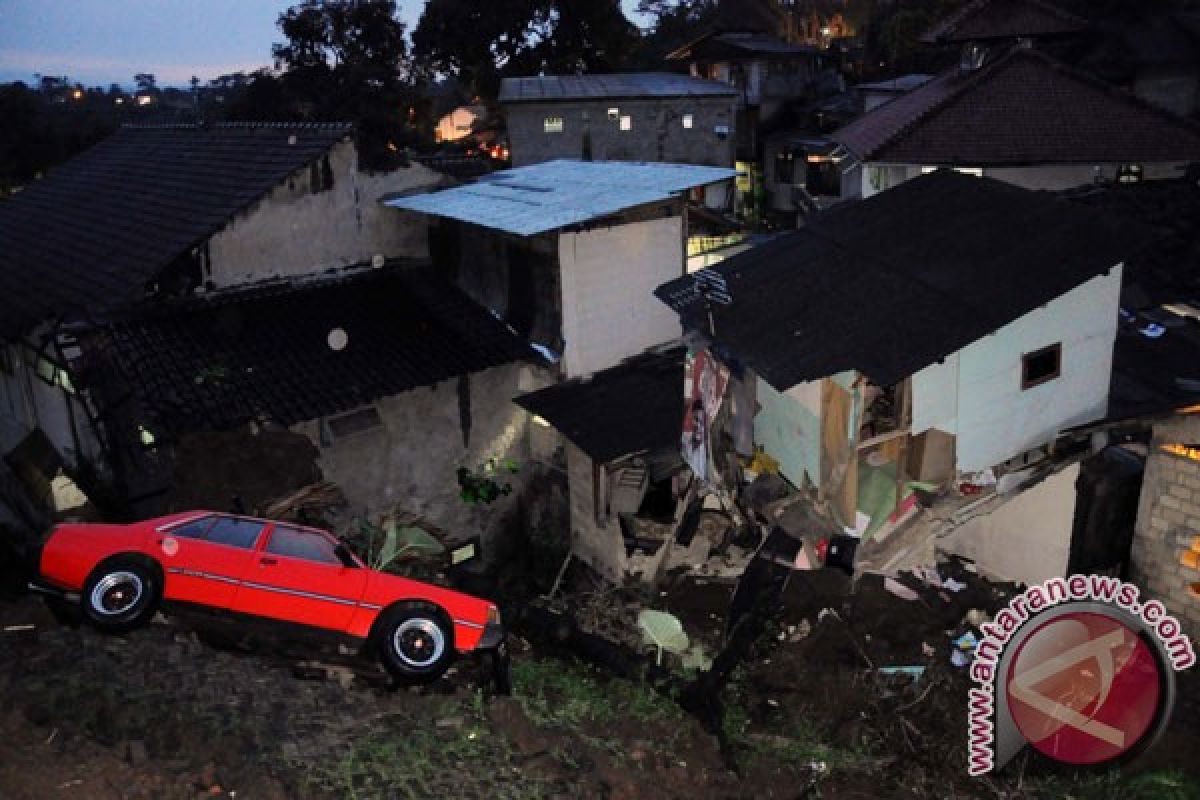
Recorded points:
(712,286)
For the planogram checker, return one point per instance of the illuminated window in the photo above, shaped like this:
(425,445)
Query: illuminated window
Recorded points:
(687,121)
(613,113)
(1129,173)
(552,124)
(1041,366)
(1189,451)
(626,123)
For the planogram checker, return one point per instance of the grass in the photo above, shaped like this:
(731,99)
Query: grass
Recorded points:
(397,758)
(1112,785)
(575,696)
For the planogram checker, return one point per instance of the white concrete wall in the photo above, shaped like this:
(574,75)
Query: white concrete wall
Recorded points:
(1052,177)
(993,418)
(28,402)
(410,463)
(295,231)
(600,546)
(609,311)
(1026,538)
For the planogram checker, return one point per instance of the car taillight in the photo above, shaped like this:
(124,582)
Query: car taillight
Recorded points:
(493,615)
(822,548)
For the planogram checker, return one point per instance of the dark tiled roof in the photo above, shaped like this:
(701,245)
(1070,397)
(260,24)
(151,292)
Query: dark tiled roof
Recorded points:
(212,362)
(616,86)
(1168,270)
(735,45)
(95,230)
(1022,108)
(1004,19)
(1154,376)
(892,284)
(634,406)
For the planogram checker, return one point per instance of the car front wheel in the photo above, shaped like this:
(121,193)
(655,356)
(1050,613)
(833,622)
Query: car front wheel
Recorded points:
(120,595)
(416,643)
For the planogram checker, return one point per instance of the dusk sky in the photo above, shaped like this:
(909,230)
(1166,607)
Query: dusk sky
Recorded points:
(97,42)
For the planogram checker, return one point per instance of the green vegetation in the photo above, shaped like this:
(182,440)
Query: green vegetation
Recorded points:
(395,758)
(573,696)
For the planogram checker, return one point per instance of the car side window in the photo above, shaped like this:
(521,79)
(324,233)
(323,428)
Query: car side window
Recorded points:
(296,543)
(235,532)
(194,529)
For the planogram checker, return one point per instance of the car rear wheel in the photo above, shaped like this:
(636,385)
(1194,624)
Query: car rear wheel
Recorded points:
(416,643)
(120,595)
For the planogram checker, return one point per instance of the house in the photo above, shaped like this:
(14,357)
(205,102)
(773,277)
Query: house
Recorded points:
(1157,57)
(568,252)
(876,93)
(620,428)
(389,376)
(1021,117)
(999,21)
(946,330)
(767,71)
(640,116)
(158,212)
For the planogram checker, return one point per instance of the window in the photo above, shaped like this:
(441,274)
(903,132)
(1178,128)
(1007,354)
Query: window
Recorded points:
(613,113)
(194,529)
(1041,366)
(1129,173)
(307,545)
(552,124)
(626,122)
(48,371)
(234,532)
(364,419)
(688,120)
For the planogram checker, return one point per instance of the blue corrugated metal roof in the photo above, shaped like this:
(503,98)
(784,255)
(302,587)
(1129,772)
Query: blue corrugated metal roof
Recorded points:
(556,194)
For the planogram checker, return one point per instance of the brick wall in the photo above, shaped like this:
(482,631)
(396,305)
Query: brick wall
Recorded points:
(1166,544)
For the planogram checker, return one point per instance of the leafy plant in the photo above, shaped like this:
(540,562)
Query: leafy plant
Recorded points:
(384,545)
(480,486)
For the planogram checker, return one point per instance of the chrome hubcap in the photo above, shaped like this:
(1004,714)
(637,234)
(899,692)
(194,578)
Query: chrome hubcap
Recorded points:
(116,593)
(418,642)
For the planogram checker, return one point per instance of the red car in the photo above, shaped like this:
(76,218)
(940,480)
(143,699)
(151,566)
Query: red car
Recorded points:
(272,570)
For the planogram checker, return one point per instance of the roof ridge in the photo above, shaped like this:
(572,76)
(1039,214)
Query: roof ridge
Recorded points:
(990,71)
(249,124)
(946,25)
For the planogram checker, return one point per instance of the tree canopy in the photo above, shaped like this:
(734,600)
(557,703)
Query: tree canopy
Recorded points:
(478,43)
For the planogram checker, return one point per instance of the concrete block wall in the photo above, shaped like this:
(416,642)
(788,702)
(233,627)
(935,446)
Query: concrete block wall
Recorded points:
(1166,544)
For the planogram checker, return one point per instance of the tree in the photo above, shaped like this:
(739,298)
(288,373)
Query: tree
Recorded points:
(675,23)
(342,60)
(145,83)
(584,37)
(479,42)
(473,41)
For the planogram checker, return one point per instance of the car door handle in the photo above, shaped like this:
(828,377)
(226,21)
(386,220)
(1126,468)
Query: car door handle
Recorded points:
(268,562)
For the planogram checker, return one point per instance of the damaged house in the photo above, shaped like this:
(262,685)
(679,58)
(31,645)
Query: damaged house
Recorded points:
(155,216)
(620,427)
(951,359)
(568,252)
(1013,112)
(386,377)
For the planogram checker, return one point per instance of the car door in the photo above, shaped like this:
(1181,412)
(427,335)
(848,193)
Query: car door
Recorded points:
(298,577)
(203,558)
